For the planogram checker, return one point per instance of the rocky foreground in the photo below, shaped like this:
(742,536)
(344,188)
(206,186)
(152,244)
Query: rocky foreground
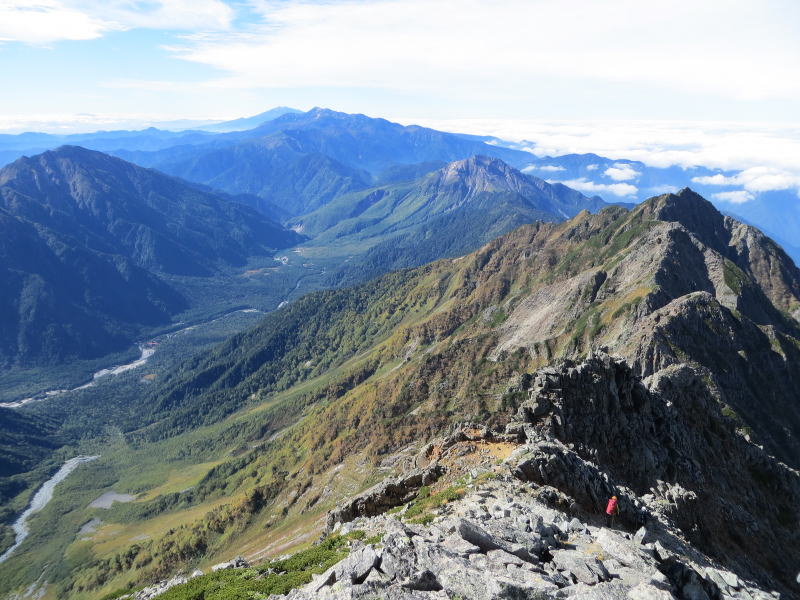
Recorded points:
(502,541)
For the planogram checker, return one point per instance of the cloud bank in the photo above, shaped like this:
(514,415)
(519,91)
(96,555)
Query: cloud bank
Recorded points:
(621,190)
(766,154)
(755,179)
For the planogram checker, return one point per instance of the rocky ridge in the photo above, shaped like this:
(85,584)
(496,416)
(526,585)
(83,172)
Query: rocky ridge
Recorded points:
(533,527)
(696,287)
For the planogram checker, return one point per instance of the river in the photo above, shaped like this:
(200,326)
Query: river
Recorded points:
(146,350)
(40,499)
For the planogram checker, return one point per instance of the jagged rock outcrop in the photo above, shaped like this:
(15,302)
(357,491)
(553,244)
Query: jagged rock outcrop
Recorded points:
(665,447)
(385,495)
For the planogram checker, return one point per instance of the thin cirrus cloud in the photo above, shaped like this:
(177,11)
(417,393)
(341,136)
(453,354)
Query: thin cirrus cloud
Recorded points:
(42,22)
(432,45)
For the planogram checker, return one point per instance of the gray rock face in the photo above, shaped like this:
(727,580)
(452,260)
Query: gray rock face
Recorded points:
(152,591)
(664,447)
(581,569)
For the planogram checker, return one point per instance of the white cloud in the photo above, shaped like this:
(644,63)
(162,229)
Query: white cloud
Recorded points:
(734,197)
(43,22)
(622,172)
(622,190)
(755,179)
(551,168)
(718,179)
(593,167)
(487,49)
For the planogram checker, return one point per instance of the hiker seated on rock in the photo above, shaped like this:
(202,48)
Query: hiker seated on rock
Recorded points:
(612,510)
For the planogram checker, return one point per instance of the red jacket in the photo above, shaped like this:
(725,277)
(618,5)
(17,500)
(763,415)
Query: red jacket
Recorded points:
(612,506)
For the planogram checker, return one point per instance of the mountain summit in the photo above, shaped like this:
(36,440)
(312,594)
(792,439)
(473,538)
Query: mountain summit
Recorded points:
(484,174)
(83,238)
(447,212)
(114,206)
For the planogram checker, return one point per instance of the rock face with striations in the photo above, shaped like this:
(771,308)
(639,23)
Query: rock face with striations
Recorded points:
(695,287)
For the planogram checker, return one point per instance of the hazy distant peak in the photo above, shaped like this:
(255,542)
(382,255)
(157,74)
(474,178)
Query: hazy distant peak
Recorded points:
(483,173)
(246,123)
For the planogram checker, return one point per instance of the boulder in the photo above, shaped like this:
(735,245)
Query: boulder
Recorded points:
(583,568)
(477,536)
(458,545)
(643,536)
(237,563)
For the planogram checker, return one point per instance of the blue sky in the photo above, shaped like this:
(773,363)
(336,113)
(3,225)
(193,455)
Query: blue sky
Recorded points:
(722,60)
(680,82)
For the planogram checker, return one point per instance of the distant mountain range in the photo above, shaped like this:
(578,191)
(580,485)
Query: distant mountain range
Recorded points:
(299,161)
(370,194)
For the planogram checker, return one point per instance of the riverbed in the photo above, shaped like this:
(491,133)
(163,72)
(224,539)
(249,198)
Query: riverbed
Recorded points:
(40,499)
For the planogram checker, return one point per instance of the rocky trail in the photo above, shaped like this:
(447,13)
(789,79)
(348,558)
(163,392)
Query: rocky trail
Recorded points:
(503,541)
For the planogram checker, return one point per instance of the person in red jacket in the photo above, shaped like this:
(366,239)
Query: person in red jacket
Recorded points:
(612,509)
